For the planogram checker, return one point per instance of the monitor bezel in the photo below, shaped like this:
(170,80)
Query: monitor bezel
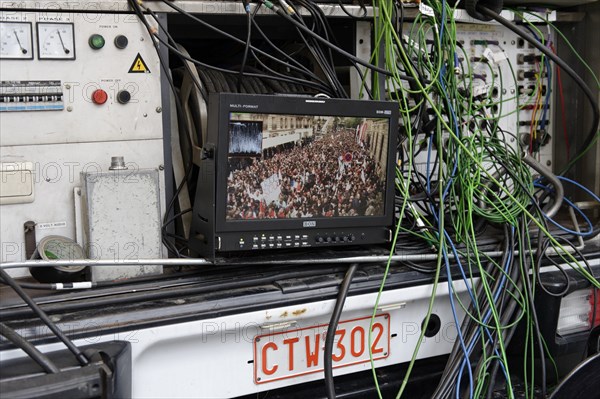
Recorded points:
(288,105)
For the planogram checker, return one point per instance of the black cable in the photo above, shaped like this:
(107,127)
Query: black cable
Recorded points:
(316,51)
(300,67)
(160,292)
(42,360)
(222,70)
(363,8)
(44,317)
(472,8)
(564,66)
(543,255)
(319,15)
(27,347)
(249,17)
(337,49)
(469,327)
(509,314)
(538,333)
(333,323)
(227,35)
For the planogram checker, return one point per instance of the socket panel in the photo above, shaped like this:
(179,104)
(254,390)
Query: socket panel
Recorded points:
(492,50)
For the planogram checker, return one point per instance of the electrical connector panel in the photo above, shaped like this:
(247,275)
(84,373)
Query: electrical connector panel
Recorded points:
(505,69)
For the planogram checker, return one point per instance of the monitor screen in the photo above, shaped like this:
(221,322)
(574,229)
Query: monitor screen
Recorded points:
(283,166)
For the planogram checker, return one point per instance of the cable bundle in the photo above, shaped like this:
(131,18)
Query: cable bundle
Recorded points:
(219,82)
(473,180)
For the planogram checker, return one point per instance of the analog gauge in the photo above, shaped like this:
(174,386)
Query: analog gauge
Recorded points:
(16,41)
(56,41)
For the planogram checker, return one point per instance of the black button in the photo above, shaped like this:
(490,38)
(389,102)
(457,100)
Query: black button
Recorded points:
(121,41)
(123,96)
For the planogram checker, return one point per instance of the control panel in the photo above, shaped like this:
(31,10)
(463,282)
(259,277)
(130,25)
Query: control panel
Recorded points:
(99,74)
(76,89)
(305,239)
(512,82)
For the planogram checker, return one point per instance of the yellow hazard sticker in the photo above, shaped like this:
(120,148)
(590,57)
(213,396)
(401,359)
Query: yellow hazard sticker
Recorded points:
(139,65)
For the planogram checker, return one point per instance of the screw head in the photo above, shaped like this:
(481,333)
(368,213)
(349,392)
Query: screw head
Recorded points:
(161,167)
(548,162)
(69,108)
(159,109)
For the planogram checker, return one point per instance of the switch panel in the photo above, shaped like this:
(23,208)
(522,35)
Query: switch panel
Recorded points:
(65,73)
(70,99)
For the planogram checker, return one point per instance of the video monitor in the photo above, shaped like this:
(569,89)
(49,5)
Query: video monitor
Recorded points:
(294,172)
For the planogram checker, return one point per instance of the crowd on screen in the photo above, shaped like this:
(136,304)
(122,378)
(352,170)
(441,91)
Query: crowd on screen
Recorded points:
(332,176)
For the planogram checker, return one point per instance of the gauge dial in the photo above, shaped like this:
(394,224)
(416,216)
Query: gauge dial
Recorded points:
(56,41)
(16,41)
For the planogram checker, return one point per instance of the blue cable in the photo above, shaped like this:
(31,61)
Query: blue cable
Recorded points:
(485,321)
(444,194)
(576,208)
(453,307)
(428,176)
(587,190)
(458,330)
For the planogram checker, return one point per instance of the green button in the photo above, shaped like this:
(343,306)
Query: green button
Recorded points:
(96,41)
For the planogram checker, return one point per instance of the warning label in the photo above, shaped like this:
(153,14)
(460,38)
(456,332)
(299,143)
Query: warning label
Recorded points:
(139,65)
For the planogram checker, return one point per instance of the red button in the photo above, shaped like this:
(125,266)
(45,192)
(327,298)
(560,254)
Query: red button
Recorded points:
(99,96)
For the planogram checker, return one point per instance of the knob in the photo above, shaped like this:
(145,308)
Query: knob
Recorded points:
(123,96)
(121,42)
(319,239)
